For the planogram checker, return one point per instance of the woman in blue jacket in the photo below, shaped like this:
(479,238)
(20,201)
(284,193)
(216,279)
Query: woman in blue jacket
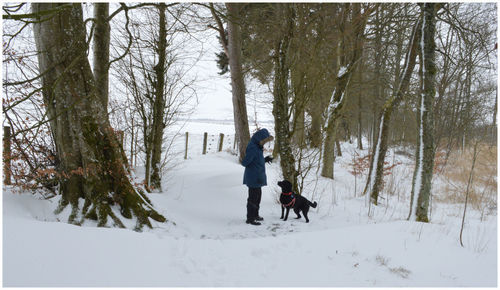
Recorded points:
(255,173)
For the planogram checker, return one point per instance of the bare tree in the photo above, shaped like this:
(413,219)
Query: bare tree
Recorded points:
(92,166)
(374,181)
(159,101)
(352,38)
(469,185)
(154,76)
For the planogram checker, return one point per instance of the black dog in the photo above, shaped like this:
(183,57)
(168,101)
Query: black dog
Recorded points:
(289,199)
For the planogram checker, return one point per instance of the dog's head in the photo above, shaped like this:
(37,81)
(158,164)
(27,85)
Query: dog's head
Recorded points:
(286,186)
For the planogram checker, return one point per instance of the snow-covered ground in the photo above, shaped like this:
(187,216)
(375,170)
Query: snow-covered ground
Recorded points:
(207,243)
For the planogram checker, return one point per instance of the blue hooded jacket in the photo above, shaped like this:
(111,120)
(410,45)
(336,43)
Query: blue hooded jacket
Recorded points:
(255,170)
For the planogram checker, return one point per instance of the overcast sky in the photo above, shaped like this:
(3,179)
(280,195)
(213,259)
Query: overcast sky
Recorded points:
(215,99)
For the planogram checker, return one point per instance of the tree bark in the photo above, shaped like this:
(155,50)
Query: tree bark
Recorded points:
(315,133)
(91,166)
(101,58)
(159,103)
(280,92)
(360,108)
(101,51)
(299,122)
(331,129)
(421,188)
(237,78)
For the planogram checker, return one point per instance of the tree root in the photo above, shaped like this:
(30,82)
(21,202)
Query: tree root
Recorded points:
(134,204)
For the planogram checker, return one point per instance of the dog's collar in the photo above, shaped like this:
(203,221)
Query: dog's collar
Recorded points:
(290,193)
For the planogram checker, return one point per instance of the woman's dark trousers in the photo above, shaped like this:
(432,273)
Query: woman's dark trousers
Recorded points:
(253,203)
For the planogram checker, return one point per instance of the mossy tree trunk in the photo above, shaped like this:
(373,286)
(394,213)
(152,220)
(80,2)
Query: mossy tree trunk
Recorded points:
(101,40)
(421,185)
(281,106)
(101,50)
(91,164)
(332,125)
(376,173)
(158,124)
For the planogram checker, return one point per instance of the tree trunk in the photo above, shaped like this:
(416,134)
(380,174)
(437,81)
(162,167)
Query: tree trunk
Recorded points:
(331,129)
(101,58)
(421,188)
(298,131)
(280,92)
(316,124)
(376,173)
(101,51)
(467,191)
(91,161)
(237,78)
(337,146)
(379,66)
(360,107)
(355,40)
(159,103)
(132,139)
(494,120)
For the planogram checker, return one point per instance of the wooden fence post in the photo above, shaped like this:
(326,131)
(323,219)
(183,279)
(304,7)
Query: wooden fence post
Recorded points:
(6,155)
(221,141)
(205,136)
(186,151)
(119,134)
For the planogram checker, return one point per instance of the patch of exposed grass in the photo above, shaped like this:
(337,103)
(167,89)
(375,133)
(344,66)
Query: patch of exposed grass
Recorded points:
(404,273)
(483,193)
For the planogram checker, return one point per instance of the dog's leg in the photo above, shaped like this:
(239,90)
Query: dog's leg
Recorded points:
(282,212)
(297,212)
(305,216)
(286,214)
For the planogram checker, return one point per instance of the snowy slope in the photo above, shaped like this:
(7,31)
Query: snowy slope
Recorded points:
(207,243)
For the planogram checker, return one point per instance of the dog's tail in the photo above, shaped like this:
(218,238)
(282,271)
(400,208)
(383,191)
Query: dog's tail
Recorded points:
(313,204)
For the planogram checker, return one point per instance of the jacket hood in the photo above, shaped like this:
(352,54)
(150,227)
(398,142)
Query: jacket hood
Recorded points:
(260,135)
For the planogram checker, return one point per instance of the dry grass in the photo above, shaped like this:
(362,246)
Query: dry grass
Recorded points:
(483,193)
(381,260)
(403,272)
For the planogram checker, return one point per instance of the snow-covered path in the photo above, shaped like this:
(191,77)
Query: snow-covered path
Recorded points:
(207,243)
